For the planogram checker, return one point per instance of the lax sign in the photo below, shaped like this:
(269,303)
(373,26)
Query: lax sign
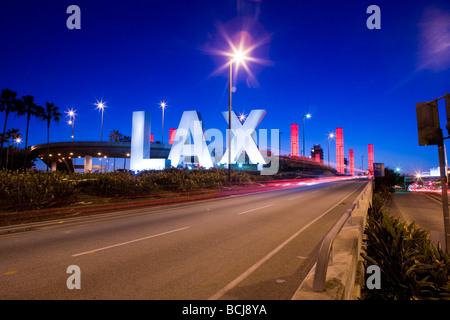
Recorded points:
(192,140)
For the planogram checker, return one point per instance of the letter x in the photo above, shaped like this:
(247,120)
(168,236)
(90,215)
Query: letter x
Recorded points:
(243,137)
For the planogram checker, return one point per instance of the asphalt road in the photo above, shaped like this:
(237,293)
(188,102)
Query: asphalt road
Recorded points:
(424,209)
(258,246)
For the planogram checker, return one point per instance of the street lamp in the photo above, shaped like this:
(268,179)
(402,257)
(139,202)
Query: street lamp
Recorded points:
(305,116)
(331,135)
(102,106)
(163,105)
(71,121)
(239,56)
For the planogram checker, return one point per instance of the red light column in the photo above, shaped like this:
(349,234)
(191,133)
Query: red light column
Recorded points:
(151,138)
(370,149)
(339,150)
(294,140)
(351,159)
(172,132)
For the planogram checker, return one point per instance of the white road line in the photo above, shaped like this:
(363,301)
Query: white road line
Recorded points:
(128,242)
(250,270)
(295,197)
(269,205)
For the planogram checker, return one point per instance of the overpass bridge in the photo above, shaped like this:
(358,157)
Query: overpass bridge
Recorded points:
(60,155)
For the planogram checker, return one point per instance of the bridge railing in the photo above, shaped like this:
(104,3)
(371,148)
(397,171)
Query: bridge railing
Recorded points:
(325,256)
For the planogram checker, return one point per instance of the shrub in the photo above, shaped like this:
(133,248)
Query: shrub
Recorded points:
(411,267)
(34,190)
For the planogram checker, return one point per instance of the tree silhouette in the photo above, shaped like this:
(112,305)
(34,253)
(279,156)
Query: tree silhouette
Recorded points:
(14,135)
(8,103)
(115,136)
(27,107)
(51,113)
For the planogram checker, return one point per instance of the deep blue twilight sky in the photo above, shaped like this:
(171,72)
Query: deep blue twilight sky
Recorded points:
(317,57)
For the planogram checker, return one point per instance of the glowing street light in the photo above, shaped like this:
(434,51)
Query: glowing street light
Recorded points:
(101,106)
(305,116)
(163,105)
(330,136)
(71,114)
(239,56)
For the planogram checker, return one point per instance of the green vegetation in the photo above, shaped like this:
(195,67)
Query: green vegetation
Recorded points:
(31,190)
(412,268)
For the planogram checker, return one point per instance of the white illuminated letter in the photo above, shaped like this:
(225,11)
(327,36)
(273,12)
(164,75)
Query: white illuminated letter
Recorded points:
(243,137)
(191,125)
(140,144)
(74,21)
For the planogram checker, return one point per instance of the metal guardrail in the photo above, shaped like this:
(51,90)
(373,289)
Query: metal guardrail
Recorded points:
(325,256)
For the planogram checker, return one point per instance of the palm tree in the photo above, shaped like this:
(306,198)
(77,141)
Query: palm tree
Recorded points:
(8,103)
(14,135)
(126,139)
(29,108)
(51,113)
(115,136)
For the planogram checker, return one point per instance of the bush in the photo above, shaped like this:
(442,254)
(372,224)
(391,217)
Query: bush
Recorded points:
(411,267)
(34,190)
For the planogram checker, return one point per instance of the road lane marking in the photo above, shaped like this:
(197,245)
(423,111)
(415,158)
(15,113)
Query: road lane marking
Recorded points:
(269,205)
(250,270)
(295,197)
(9,273)
(128,242)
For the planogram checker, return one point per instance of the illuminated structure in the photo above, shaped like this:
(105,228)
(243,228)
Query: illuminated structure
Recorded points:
(191,125)
(339,150)
(351,159)
(191,144)
(140,145)
(294,140)
(317,153)
(370,169)
(172,133)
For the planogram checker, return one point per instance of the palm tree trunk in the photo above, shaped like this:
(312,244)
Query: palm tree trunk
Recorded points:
(26,143)
(3,136)
(48,143)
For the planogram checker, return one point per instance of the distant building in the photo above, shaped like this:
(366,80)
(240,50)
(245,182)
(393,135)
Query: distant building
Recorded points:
(317,153)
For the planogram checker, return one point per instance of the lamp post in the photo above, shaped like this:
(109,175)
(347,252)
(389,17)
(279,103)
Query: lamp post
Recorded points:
(237,56)
(101,105)
(72,122)
(229,117)
(163,106)
(331,135)
(307,116)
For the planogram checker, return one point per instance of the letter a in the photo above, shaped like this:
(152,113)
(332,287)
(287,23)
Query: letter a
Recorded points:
(74,21)
(374,21)
(74,281)
(374,281)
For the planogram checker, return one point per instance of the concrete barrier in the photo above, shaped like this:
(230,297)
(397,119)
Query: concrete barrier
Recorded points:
(345,276)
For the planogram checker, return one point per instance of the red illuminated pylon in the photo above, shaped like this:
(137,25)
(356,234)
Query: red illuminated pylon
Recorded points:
(294,140)
(172,133)
(370,149)
(351,159)
(339,150)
